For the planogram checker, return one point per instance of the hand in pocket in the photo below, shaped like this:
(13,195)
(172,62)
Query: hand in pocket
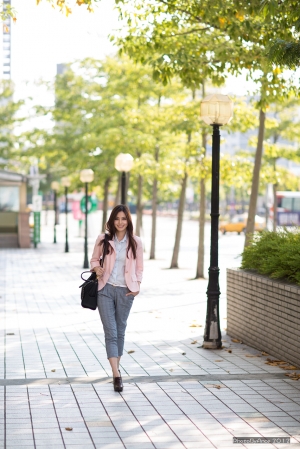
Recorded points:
(132,293)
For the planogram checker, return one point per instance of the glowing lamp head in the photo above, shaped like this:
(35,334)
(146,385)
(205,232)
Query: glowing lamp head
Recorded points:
(124,162)
(55,185)
(87,175)
(216,109)
(66,181)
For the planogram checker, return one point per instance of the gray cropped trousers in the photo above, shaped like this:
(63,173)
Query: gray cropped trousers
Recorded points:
(114,308)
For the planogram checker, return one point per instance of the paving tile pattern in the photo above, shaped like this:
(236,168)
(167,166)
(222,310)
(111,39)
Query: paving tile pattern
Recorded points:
(47,336)
(159,415)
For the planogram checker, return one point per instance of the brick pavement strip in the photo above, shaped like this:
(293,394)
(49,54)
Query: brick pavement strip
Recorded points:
(55,375)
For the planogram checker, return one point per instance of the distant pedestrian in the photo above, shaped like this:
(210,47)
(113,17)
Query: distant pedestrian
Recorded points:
(118,282)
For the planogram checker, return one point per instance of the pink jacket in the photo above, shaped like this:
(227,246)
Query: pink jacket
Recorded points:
(133,267)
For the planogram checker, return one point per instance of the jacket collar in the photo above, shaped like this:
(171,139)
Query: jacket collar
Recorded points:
(124,239)
(112,244)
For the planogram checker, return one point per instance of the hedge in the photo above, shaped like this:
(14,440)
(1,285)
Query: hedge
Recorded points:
(275,254)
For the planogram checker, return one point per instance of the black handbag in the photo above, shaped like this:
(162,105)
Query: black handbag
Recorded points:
(89,289)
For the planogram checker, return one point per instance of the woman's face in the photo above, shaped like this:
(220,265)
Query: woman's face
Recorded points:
(121,222)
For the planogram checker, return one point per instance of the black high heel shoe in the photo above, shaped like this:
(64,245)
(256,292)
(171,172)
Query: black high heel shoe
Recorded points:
(118,384)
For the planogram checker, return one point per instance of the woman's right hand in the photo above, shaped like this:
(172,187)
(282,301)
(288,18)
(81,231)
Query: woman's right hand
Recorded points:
(99,272)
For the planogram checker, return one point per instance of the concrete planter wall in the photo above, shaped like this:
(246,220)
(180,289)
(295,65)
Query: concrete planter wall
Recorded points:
(264,314)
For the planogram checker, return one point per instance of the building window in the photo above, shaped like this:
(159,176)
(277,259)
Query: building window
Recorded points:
(9,199)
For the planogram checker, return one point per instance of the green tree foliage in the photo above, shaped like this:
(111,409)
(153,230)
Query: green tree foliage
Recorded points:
(6,12)
(193,40)
(104,108)
(9,120)
(285,52)
(65,6)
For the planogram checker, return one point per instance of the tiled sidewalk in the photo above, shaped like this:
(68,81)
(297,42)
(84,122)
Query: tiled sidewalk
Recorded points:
(55,375)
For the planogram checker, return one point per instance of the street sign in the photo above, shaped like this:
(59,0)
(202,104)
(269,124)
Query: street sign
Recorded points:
(37,203)
(92,204)
(36,228)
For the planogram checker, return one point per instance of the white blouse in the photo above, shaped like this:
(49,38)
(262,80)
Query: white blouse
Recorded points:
(117,277)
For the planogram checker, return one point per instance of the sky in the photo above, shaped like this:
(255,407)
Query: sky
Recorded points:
(43,37)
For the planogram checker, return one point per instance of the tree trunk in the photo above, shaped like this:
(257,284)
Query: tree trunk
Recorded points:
(275,208)
(242,200)
(154,210)
(139,207)
(200,261)
(105,203)
(255,178)
(174,262)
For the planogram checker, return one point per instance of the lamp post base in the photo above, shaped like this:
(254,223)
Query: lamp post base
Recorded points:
(215,344)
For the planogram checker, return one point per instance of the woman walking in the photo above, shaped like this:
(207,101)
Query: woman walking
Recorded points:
(118,282)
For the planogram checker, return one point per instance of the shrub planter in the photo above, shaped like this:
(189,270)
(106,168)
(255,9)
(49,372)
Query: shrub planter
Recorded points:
(264,314)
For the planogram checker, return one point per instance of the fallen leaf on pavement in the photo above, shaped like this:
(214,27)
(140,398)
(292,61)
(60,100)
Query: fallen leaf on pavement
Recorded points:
(184,353)
(281,364)
(196,325)
(253,355)
(10,333)
(215,386)
(69,428)
(275,360)
(171,369)
(230,351)
(218,360)
(53,370)
(293,376)
(235,340)
(130,352)
(264,353)
(194,342)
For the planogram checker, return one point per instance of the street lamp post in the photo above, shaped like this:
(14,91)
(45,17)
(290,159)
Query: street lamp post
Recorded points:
(86,176)
(55,187)
(66,183)
(216,110)
(123,163)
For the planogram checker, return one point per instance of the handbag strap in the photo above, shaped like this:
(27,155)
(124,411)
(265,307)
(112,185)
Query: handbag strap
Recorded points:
(104,250)
(83,278)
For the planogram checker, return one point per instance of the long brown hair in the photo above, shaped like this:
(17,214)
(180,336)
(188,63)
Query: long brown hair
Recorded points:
(111,230)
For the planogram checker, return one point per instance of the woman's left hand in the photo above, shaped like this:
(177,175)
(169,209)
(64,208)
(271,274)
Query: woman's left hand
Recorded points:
(132,293)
